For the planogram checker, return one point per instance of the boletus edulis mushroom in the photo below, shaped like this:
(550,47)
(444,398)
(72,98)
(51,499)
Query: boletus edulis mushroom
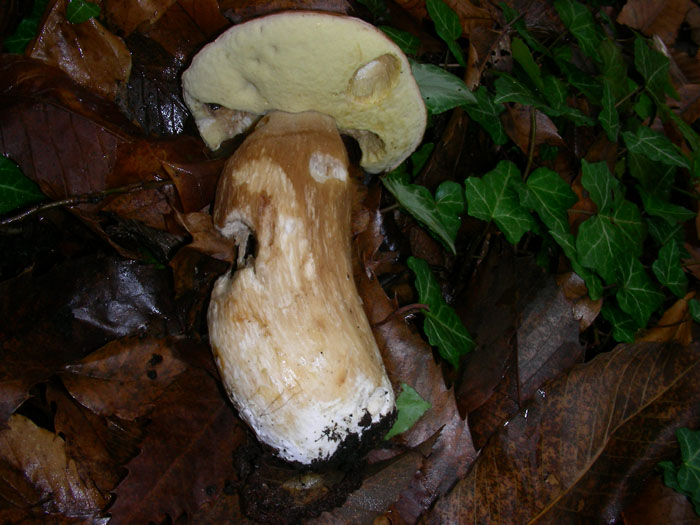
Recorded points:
(288,331)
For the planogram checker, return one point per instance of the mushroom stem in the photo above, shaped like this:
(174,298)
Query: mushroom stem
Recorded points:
(290,337)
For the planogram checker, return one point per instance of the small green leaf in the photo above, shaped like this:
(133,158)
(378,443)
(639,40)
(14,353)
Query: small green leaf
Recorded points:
(439,214)
(550,197)
(568,244)
(624,327)
(599,246)
(644,106)
(485,112)
(508,89)
(608,116)
(579,21)
(523,56)
(668,269)
(654,176)
(376,7)
(555,91)
(637,294)
(79,11)
(628,219)
(26,29)
(603,188)
(441,323)
(408,42)
(16,190)
(656,146)
(447,26)
(654,66)
(662,232)
(659,207)
(410,407)
(420,157)
(613,68)
(494,197)
(685,478)
(694,306)
(441,91)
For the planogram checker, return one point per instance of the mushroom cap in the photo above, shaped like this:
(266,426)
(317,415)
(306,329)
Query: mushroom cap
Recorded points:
(298,61)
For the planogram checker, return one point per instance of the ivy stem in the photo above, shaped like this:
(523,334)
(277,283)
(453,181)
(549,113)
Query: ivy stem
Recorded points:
(404,312)
(389,208)
(86,198)
(531,145)
(627,97)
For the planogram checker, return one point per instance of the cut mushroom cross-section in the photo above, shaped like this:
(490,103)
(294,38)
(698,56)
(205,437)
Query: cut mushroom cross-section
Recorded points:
(288,330)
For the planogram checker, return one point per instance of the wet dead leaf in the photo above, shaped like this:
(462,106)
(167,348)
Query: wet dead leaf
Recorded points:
(675,325)
(41,456)
(124,378)
(582,447)
(125,16)
(517,122)
(186,457)
(655,17)
(90,54)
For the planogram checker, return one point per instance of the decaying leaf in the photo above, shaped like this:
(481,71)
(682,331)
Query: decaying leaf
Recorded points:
(604,424)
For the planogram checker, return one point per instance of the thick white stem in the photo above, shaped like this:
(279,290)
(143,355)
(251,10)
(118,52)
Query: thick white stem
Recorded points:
(294,348)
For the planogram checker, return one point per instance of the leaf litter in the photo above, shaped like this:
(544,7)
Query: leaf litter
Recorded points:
(109,396)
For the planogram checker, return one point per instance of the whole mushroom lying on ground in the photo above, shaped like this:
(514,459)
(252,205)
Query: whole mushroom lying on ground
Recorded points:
(289,335)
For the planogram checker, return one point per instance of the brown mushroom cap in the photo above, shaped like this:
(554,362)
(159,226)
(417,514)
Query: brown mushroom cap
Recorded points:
(340,66)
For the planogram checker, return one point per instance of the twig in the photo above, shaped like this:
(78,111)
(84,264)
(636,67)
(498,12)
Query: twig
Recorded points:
(503,32)
(86,198)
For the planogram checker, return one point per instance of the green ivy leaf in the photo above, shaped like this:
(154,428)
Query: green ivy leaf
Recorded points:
(441,323)
(439,214)
(603,188)
(523,56)
(568,244)
(624,327)
(654,176)
(408,42)
(653,65)
(608,116)
(637,295)
(613,68)
(79,11)
(656,146)
(662,232)
(494,197)
(447,26)
(685,478)
(668,269)
(555,91)
(550,197)
(376,7)
(485,112)
(441,91)
(26,29)
(16,190)
(508,89)
(604,238)
(659,207)
(644,106)
(410,407)
(579,21)
(420,157)
(694,306)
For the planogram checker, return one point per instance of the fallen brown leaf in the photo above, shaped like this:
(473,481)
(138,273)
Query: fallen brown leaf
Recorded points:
(582,447)
(655,17)
(41,456)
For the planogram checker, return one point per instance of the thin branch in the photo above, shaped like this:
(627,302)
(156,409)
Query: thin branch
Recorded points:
(404,312)
(86,198)
(502,33)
